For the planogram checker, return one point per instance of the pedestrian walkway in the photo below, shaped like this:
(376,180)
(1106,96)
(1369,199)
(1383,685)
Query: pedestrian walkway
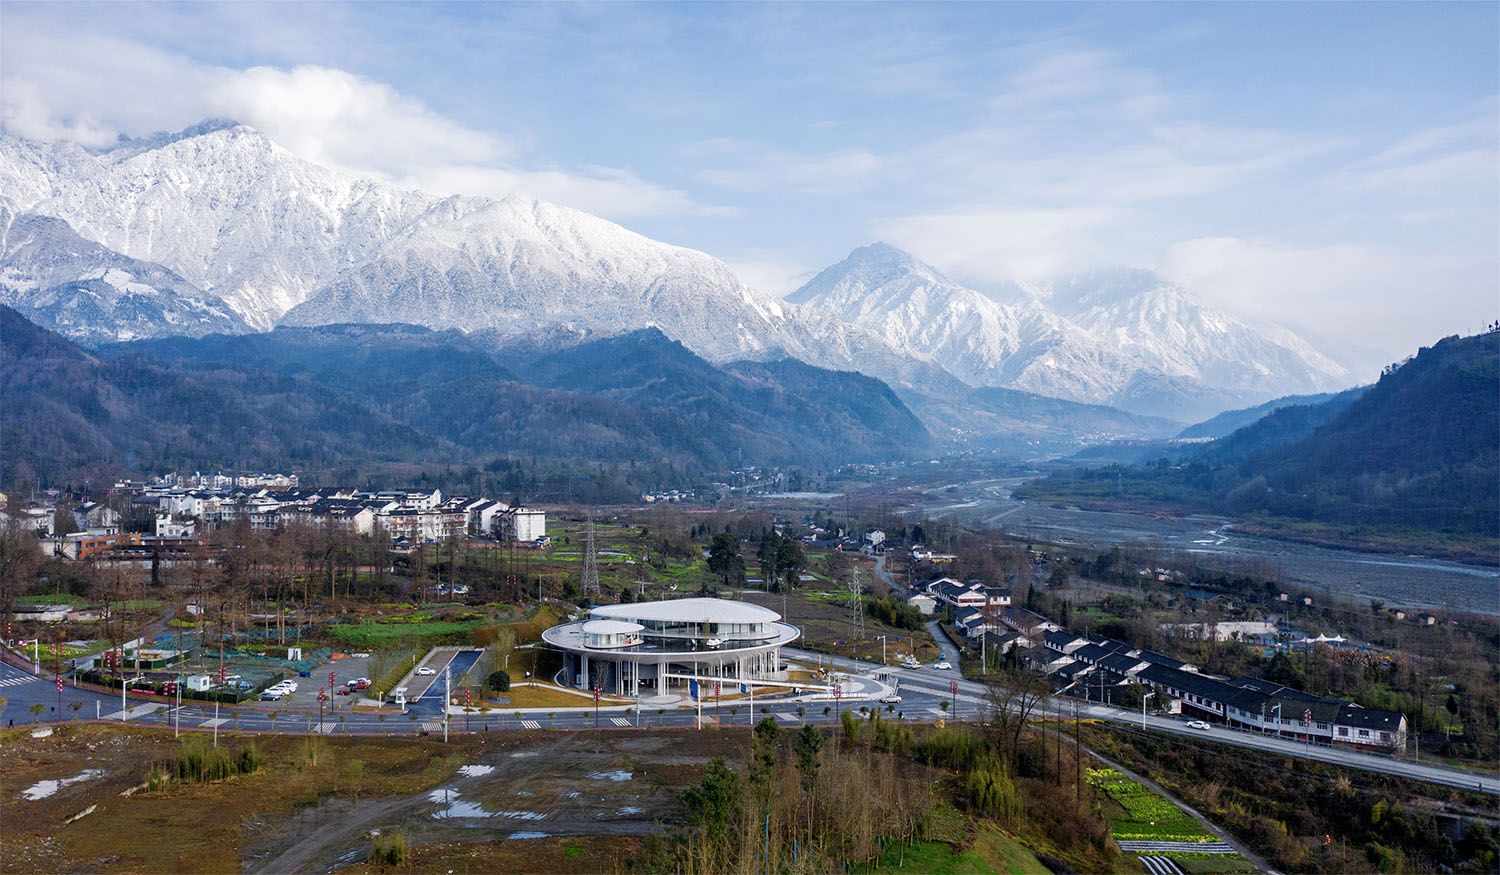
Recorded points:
(619,721)
(213,723)
(788,717)
(137,711)
(18,680)
(1136,847)
(531,724)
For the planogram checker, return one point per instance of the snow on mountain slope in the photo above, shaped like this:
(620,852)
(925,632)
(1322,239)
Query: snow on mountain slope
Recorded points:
(1118,337)
(235,215)
(511,266)
(93,294)
(225,208)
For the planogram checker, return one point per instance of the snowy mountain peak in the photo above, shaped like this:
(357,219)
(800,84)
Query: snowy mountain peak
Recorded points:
(1124,336)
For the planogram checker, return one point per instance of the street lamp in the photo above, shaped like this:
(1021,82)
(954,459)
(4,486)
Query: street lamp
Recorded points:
(1276,709)
(882,650)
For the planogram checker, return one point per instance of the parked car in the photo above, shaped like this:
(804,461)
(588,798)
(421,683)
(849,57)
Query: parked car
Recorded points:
(1197,724)
(346,691)
(424,671)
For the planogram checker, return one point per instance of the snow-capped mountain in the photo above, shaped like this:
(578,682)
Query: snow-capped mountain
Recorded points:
(1125,338)
(239,217)
(93,294)
(219,204)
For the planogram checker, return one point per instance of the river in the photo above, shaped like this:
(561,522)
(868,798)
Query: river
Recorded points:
(1351,575)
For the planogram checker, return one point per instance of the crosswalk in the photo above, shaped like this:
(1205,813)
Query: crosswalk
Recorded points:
(18,681)
(326,728)
(788,717)
(1161,865)
(531,724)
(432,725)
(213,723)
(619,721)
(137,711)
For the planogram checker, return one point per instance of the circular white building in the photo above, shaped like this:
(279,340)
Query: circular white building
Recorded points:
(651,648)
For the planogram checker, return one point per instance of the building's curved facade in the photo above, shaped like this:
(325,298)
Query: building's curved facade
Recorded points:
(655,648)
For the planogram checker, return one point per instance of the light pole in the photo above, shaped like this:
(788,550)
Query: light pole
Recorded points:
(1276,709)
(882,650)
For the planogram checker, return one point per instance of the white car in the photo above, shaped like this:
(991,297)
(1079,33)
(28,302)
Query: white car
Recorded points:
(424,671)
(287,686)
(943,666)
(891,700)
(1197,724)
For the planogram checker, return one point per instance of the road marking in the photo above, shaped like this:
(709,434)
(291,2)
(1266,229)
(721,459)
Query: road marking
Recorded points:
(938,712)
(326,728)
(133,713)
(215,722)
(531,724)
(16,681)
(790,718)
(619,721)
(432,725)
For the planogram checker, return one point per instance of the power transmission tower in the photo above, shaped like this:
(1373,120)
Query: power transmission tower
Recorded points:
(590,585)
(856,607)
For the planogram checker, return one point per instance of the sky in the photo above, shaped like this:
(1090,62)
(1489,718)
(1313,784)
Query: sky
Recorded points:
(1332,167)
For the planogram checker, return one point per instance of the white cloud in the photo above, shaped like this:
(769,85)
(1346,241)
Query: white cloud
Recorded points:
(91,89)
(1386,298)
(771,272)
(337,118)
(989,245)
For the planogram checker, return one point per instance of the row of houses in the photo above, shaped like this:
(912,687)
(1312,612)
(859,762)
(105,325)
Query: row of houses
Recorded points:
(1100,668)
(404,516)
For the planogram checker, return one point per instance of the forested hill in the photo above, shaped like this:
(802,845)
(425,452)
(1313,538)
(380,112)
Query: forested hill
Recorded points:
(1418,451)
(338,400)
(1420,448)
(67,416)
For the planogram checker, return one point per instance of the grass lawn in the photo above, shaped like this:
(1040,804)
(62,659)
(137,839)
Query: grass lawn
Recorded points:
(991,851)
(63,599)
(545,696)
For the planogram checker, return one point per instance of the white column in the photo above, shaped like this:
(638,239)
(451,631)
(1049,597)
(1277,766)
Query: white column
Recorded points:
(584,658)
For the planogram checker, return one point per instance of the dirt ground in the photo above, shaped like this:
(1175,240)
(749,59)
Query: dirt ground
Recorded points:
(510,801)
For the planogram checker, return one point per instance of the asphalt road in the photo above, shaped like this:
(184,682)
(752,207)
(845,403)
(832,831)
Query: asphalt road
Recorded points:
(924,692)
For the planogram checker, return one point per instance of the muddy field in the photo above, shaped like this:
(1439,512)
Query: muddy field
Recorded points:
(514,801)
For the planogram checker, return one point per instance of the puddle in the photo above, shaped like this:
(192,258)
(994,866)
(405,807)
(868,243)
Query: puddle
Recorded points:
(475,771)
(629,809)
(522,815)
(528,835)
(617,775)
(43,789)
(456,808)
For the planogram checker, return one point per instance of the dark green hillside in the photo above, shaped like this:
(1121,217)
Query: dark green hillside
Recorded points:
(1232,420)
(1419,452)
(783,412)
(638,398)
(67,414)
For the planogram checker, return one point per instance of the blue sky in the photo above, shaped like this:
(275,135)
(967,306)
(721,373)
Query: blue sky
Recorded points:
(1330,166)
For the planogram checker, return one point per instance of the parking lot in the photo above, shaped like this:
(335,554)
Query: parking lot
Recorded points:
(344,670)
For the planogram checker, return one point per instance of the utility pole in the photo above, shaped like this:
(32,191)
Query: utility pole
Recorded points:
(447,697)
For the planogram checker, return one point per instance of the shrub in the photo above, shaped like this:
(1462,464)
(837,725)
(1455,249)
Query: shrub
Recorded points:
(499,681)
(389,848)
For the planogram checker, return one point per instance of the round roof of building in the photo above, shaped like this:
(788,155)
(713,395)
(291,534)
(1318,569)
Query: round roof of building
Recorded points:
(698,610)
(610,627)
